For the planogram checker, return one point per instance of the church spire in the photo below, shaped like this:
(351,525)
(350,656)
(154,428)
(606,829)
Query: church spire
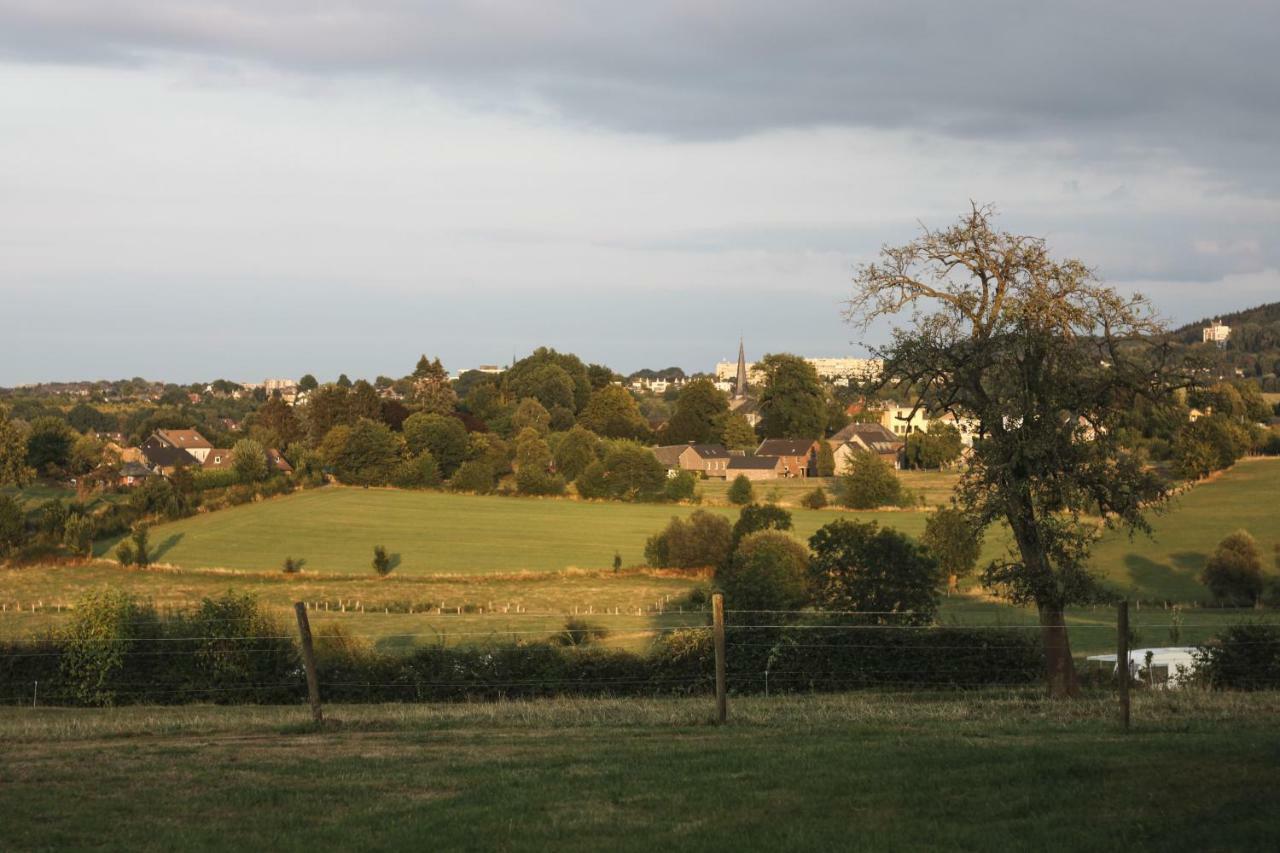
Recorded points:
(741,390)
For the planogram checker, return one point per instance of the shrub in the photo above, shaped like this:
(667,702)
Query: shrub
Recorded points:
(418,472)
(954,541)
(741,491)
(704,539)
(241,494)
(77,535)
(1243,657)
(12,525)
(1234,572)
(861,567)
(767,572)
(682,487)
(579,632)
(756,517)
(141,550)
(124,553)
(817,499)
(476,476)
(382,563)
(105,635)
(292,566)
(869,483)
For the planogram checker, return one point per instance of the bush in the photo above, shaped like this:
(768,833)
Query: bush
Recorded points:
(682,487)
(214,479)
(1243,657)
(476,476)
(817,499)
(1234,572)
(77,535)
(292,566)
(124,553)
(13,526)
(382,562)
(418,472)
(740,491)
(141,549)
(755,517)
(870,483)
(704,539)
(768,571)
(628,472)
(954,541)
(579,632)
(861,567)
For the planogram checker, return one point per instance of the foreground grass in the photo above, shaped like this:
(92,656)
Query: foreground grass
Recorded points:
(868,771)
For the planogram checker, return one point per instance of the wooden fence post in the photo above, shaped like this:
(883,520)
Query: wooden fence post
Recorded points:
(1122,660)
(717,616)
(309,661)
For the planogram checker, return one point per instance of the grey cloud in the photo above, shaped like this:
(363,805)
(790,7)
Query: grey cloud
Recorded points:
(1113,78)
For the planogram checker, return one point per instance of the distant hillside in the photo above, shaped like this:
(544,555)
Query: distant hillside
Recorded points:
(1253,350)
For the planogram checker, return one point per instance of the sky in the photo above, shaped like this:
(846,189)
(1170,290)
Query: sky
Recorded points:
(250,189)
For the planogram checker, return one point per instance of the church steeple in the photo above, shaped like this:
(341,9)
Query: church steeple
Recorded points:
(741,389)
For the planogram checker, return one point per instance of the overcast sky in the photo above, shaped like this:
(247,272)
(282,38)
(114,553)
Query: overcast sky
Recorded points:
(247,188)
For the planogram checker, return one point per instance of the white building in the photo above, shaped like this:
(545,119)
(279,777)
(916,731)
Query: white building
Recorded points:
(837,370)
(1215,333)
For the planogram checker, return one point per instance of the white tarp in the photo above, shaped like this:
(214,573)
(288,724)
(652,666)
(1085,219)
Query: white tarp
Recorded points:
(1177,661)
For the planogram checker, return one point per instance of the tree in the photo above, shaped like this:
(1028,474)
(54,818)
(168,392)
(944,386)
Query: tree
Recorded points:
(682,487)
(1234,572)
(85,418)
(530,414)
(308,383)
(364,402)
(444,437)
(702,540)
(954,542)
(793,403)
(327,407)
(369,456)
(756,517)
(12,525)
(249,459)
(768,571)
(432,390)
(878,572)
(817,499)
(14,469)
(627,472)
(87,453)
(737,433)
(533,465)
(740,490)
(554,379)
(276,424)
(599,376)
(869,483)
(49,445)
(139,547)
(933,449)
(383,563)
(577,449)
(1046,361)
(343,381)
(612,412)
(475,475)
(417,472)
(826,460)
(699,415)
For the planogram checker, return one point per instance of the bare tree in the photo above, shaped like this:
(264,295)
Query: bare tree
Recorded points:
(1043,362)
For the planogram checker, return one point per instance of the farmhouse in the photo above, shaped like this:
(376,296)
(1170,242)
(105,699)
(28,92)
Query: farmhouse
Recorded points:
(185,439)
(755,467)
(863,438)
(131,474)
(223,459)
(709,459)
(799,457)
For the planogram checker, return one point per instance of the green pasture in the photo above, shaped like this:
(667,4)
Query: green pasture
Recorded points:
(335,528)
(960,771)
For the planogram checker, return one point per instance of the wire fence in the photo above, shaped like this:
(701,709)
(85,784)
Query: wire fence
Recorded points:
(190,658)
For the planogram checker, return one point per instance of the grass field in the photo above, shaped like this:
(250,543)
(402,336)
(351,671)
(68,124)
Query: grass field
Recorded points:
(335,530)
(855,772)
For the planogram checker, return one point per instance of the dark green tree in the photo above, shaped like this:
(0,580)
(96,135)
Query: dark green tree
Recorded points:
(756,517)
(869,483)
(443,436)
(768,571)
(577,449)
(49,446)
(308,383)
(1234,572)
(954,542)
(699,415)
(612,412)
(880,573)
(793,403)
(703,540)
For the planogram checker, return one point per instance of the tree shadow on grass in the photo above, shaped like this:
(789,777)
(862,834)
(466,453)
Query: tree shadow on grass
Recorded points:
(166,545)
(1158,580)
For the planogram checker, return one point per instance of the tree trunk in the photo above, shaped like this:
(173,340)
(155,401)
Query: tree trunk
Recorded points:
(1059,667)
(952,585)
